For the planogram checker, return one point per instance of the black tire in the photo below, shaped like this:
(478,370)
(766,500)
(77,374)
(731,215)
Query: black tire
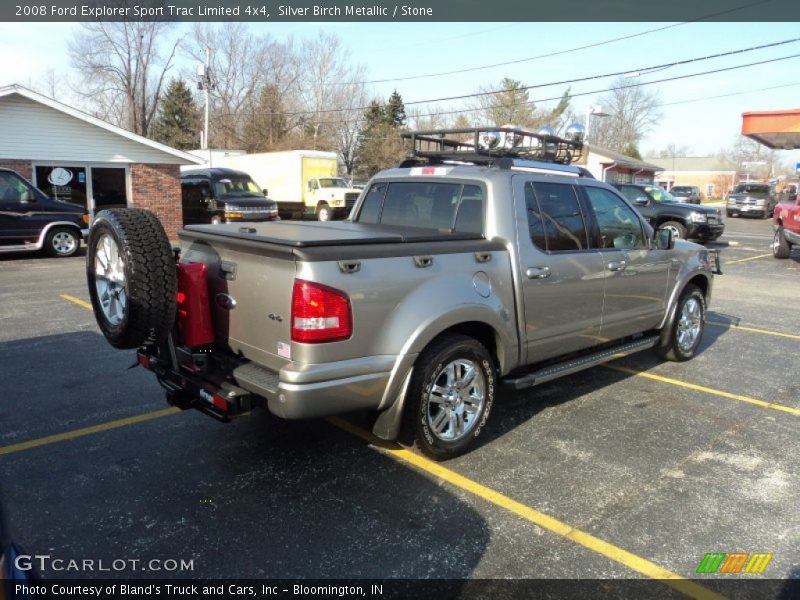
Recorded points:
(431,367)
(669,347)
(62,242)
(730,214)
(781,248)
(324,212)
(150,278)
(679,230)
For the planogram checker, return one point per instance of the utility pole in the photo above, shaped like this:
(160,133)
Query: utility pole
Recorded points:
(206,84)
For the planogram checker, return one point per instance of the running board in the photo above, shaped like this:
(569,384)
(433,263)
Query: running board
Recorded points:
(579,364)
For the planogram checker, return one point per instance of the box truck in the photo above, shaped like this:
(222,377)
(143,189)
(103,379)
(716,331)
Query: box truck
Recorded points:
(302,182)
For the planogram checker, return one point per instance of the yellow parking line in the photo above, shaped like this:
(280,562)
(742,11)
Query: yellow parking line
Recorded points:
(77,301)
(76,433)
(791,336)
(741,260)
(615,553)
(700,388)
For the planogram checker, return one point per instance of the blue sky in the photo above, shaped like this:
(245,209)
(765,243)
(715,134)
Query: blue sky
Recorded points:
(400,49)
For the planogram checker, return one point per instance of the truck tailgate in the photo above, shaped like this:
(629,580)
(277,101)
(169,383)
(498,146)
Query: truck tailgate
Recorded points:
(251,296)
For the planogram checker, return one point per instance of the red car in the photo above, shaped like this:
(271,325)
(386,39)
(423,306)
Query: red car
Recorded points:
(786,221)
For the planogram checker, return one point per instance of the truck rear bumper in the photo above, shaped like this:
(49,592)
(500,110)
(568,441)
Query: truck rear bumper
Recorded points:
(319,390)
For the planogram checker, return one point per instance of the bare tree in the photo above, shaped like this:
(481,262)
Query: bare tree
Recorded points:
(509,103)
(243,65)
(123,67)
(633,110)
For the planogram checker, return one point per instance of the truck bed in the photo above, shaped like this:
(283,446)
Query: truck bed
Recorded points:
(335,240)
(299,234)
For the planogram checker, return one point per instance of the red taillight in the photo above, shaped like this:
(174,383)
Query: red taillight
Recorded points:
(319,313)
(194,310)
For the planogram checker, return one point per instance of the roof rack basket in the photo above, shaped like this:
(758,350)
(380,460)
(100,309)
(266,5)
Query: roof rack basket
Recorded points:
(484,145)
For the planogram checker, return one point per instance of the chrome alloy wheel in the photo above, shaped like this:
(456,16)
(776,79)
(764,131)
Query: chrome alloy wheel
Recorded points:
(109,271)
(456,399)
(676,234)
(776,242)
(689,325)
(64,242)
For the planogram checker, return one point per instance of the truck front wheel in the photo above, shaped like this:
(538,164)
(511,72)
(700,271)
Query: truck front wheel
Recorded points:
(324,212)
(681,340)
(451,395)
(130,269)
(678,229)
(781,248)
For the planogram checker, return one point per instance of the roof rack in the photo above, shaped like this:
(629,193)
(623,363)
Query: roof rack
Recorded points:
(485,145)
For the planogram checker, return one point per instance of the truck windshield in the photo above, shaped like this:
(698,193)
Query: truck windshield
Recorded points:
(240,186)
(329,182)
(751,188)
(659,194)
(439,205)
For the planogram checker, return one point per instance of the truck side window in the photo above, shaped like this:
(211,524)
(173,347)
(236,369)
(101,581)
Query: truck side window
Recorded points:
(619,226)
(12,189)
(535,226)
(561,217)
(470,210)
(371,207)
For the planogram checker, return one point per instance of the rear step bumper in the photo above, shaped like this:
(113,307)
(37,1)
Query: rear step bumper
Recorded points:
(580,363)
(186,390)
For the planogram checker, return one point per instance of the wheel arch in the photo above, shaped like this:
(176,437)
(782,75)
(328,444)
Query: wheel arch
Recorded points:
(50,226)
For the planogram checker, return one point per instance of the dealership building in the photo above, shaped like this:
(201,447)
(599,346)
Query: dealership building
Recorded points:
(73,156)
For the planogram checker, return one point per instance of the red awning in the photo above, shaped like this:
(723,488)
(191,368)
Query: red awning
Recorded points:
(777,129)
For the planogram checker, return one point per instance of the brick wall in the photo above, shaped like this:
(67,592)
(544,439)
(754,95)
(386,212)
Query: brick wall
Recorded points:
(23,167)
(158,188)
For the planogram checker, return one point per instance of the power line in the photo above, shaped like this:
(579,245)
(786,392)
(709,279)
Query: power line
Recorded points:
(596,91)
(640,70)
(552,54)
(742,93)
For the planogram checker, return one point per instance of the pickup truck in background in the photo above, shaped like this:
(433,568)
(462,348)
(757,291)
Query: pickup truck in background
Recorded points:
(302,182)
(467,268)
(786,221)
(757,199)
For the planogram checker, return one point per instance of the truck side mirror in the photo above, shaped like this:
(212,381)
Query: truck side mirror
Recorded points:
(664,240)
(641,200)
(265,192)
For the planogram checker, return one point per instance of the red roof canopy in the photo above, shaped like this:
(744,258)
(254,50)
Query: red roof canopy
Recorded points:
(777,129)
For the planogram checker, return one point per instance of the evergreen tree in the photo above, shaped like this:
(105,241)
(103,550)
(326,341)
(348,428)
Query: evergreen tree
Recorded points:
(178,121)
(395,110)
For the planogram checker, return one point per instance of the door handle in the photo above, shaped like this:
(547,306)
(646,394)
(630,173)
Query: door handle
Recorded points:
(537,272)
(617,265)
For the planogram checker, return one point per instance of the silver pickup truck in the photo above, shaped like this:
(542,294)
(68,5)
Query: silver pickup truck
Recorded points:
(470,269)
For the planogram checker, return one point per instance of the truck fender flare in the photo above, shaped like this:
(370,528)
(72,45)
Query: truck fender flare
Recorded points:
(672,303)
(49,226)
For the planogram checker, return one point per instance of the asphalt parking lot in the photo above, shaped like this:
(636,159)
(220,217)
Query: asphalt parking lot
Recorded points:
(632,470)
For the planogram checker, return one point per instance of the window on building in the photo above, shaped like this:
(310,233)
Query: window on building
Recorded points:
(108,188)
(64,183)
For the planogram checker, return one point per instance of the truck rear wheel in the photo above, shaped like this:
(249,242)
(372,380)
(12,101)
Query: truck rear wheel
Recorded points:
(451,395)
(781,248)
(130,269)
(681,340)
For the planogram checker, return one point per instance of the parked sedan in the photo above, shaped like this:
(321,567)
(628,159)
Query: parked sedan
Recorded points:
(756,199)
(686,194)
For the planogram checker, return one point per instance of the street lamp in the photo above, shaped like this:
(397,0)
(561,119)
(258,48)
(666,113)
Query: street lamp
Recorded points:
(594,111)
(747,164)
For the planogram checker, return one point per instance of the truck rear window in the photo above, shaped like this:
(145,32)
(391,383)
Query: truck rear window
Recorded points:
(434,205)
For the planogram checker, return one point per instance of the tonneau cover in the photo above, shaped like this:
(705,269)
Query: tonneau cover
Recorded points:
(301,234)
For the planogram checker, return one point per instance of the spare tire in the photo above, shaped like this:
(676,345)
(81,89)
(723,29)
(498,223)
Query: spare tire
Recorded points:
(130,269)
